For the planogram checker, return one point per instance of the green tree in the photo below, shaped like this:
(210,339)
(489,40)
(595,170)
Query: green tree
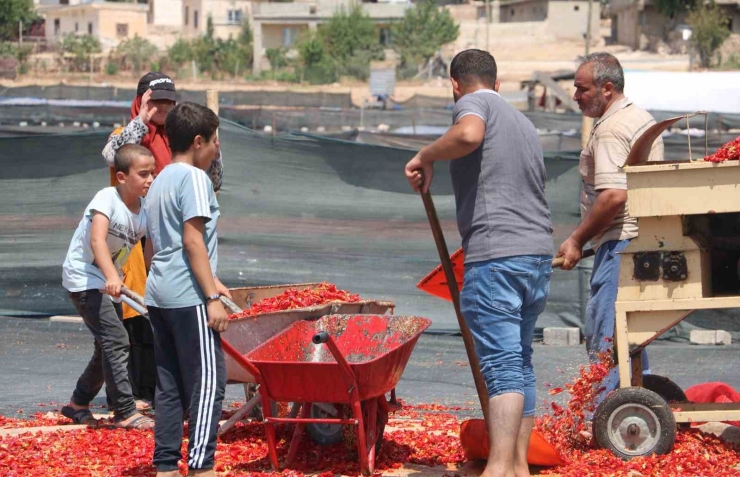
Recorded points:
(424,29)
(351,39)
(709,24)
(316,66)
(137,52)
(11,13)
(179,53)
(277,58)
(81,47)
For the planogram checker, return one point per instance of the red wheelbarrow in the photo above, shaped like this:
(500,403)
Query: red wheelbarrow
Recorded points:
(362,359)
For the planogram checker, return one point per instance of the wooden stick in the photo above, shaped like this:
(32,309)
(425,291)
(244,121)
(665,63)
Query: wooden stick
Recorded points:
(444,257)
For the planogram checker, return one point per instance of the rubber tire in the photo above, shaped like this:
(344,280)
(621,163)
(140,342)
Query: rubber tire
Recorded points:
(664,387)
(635,395)
(324,434)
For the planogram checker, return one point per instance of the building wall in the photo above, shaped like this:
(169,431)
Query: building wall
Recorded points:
(569,19)
(191,8)
(530,11)
(100,20)
(274,35)
(165,12)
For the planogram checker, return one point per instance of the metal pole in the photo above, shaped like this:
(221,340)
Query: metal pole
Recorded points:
(20,32)
(588,26)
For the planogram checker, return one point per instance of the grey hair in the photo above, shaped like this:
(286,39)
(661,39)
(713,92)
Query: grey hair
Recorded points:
(606,69)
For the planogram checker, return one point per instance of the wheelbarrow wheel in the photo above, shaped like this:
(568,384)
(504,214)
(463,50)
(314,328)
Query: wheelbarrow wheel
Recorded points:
(633,422)
(664,387)
(350,432)
(324,434)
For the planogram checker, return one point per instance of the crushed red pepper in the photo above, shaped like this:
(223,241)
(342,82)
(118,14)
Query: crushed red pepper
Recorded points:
(292,298)
(728,152)
(424,434)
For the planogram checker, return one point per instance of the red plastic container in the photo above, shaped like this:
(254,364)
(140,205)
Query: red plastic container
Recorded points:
(376,347)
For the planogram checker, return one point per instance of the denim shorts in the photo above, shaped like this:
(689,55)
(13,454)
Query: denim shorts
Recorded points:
(501,300)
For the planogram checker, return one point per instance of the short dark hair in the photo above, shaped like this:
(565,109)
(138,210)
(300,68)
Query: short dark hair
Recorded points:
(186,121)
(127,154)
(474,65)
(606,69)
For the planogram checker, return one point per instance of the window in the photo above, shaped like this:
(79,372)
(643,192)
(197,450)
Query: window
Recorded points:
(187,15)
(122,29)
(385,36)
(195,18)
(234,16)
(56,26)
(63,2)
(89,28)
(77,27)
(512,12)
(576,8)
(290,34)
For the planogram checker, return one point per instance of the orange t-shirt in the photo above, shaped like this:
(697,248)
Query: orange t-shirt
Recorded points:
(134,270)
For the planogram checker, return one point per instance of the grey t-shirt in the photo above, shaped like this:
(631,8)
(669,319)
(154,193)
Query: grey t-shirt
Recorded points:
(179,193)
(499,188)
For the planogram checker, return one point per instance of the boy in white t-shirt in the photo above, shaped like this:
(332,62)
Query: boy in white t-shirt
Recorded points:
(113,224)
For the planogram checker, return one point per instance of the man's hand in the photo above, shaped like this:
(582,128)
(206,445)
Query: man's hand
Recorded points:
(146,114)
(113,287)
(414,170)
(571,252)
(217,318)
(221,288)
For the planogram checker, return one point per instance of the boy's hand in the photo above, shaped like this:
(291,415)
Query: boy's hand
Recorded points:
(146,114)
(217,318)
(113,287)
(221,288)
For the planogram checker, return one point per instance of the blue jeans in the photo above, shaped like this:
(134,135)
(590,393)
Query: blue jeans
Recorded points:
(501,300)
(600,312)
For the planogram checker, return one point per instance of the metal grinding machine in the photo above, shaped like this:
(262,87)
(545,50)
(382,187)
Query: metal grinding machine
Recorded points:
(685,258)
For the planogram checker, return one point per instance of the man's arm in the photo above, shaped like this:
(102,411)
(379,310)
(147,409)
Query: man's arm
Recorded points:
(195,249)
(608,204)
(101,252)
(460,140)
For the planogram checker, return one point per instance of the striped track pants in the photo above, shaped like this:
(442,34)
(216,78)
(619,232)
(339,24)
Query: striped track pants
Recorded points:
(191,375)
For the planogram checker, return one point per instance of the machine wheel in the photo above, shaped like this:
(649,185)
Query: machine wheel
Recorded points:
(324,434)
(634,422)
(664,387)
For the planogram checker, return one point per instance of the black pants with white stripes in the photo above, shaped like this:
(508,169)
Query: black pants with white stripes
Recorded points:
(191,376)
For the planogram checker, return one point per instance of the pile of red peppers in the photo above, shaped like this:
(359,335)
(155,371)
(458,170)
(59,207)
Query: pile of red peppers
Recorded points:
(425,434)
(728,152)
(292,298)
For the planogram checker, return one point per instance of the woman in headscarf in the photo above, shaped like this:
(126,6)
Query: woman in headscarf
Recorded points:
(155,96)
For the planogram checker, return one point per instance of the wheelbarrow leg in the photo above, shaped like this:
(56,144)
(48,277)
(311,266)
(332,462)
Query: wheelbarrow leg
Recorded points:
(269,430)
(240,414)
(298,434)
(372,433)
(361,438)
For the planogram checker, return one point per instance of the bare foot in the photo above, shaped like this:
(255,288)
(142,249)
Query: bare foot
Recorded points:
(171,473)
(202,473)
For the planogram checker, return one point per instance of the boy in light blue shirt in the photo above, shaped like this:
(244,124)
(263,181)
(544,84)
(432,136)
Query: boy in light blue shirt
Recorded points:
(182,294)
(113,224)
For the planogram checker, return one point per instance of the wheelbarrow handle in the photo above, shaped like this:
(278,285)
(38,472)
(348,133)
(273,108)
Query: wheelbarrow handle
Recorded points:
(320,337)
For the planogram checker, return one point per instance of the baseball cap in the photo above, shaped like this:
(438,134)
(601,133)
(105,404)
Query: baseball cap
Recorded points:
(161,85)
